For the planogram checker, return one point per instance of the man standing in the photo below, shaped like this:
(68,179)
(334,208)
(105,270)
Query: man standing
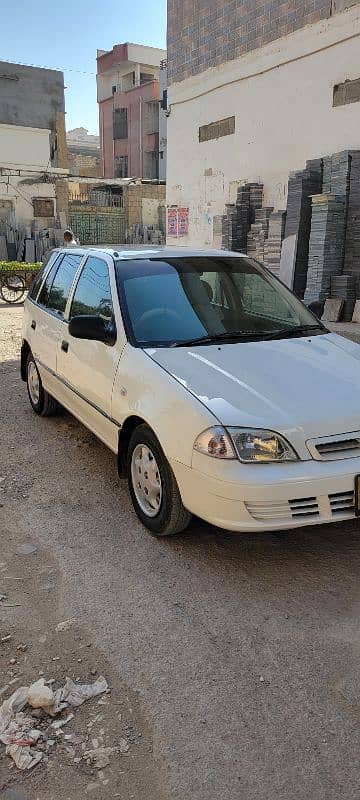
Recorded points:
(69,239)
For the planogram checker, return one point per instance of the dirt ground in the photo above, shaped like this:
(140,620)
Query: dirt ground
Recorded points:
(232,661)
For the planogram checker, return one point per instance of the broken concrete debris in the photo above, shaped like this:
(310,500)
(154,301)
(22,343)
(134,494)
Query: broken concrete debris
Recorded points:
(17,731)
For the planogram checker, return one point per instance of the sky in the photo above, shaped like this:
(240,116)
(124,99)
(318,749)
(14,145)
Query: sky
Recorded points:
(66,36)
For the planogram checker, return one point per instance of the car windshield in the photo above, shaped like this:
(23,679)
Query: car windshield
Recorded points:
(177,301)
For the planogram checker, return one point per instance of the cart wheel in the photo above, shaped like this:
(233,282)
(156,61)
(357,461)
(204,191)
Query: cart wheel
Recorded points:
(12,288)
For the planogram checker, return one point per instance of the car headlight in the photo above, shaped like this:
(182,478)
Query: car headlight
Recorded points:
(215,442)
(261,446)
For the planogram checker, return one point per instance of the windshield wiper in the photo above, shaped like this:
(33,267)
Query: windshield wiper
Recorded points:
(296,331)
(244,336)
(217,337)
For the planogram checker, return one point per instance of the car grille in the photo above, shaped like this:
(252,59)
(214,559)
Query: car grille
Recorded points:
(282,510)
(336,447)
(342,501)
(304,508)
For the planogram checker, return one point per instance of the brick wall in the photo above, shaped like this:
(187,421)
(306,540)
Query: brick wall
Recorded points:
(62,196)
(84,164)
(133,196)
(205,33)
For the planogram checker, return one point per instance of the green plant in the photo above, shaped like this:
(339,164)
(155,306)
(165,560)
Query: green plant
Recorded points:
(19,266)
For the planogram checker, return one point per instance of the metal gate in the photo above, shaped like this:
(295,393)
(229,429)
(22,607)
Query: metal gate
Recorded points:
(105,226)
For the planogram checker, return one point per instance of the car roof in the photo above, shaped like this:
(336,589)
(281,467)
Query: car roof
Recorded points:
(128,252)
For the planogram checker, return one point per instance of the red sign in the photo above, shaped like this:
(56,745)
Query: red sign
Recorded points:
(172,222)
(183,221)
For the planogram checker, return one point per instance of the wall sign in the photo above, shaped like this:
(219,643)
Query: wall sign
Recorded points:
(177,221)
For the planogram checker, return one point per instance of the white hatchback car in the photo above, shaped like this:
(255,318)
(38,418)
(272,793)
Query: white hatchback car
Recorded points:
(220,393)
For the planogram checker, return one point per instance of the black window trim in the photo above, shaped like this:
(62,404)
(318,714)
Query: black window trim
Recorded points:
(52,260)
(75,284)
(60,255)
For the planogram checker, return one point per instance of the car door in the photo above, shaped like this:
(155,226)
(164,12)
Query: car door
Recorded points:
(47,313)
(87,368)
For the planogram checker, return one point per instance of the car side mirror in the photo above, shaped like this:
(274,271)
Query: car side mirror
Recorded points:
(94,328)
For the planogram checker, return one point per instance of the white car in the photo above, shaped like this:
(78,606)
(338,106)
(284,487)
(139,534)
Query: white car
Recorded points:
(220,393)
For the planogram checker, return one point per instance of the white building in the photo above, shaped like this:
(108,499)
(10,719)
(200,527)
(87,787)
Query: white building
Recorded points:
(33,155)
(27,183)
(261,114)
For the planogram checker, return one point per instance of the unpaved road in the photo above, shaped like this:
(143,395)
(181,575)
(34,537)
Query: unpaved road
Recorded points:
(236,658)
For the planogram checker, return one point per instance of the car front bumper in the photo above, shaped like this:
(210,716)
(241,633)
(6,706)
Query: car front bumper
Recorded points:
(265,497)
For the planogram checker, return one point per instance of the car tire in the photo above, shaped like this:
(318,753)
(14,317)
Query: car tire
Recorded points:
(161,510)
(41,401)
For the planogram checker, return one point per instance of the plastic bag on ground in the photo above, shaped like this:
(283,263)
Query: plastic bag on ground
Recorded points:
(75,694)
(16,729)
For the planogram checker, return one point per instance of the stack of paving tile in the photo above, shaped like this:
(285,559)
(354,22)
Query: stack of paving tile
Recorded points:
(302,185)
(325,245)
(272,246)
(256,199)
(326,180)
(352,236)
(343,286)
(242,222)
(238,217)
(340,174)
(228,225)
(258,233)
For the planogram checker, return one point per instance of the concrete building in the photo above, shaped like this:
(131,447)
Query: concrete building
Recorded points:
(128,97)
(33,154)
(83,153)
(255,90)
(163,121)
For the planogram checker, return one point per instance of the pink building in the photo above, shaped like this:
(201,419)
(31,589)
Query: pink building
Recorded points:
(128,97)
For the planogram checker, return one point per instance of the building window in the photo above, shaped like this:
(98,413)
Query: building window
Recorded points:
(347,92)
(151,117)
(151,165)
(120,123)
(164,103)
(43,208)
(223,127)
(113,89)
(146,78)
(121,167)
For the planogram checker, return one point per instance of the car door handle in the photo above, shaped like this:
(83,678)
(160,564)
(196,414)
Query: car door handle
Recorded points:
(64,346)
(33,324)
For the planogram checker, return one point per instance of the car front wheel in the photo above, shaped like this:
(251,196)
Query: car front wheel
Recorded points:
(152,484)
(41,401)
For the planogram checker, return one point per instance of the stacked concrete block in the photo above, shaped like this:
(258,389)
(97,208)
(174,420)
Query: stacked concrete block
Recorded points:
(352,236)
(325,245)
(272,245)
(344,287)
(302,185)
(259,233)
(237,219)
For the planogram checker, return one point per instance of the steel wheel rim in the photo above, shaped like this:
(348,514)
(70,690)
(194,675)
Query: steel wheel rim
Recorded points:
(33,383)
(146,480)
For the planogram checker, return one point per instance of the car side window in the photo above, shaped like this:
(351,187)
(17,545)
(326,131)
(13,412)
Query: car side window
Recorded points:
(93,293)
(44,294)
(55,291)
(35,286)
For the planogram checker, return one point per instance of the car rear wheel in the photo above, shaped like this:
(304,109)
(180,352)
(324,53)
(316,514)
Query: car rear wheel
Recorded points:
(41,401)
(152,484)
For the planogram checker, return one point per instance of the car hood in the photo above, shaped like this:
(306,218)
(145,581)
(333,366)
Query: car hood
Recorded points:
(309,385)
